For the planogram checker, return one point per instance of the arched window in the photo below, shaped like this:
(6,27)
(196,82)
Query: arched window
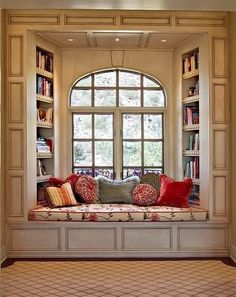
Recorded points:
(117,124)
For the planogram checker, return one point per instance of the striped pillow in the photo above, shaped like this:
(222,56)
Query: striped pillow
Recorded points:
(62,196)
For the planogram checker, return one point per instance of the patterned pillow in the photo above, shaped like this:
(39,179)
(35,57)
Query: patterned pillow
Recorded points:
(144,195)
(62,196)
(86,188)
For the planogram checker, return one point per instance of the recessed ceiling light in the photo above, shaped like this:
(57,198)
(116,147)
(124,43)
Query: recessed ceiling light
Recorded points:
(163,40)
(117,39)
(70,39)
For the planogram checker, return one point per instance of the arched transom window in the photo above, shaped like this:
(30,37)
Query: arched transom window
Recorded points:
(117,124)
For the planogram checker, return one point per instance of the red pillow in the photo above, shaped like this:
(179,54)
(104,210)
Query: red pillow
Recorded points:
(56,182)
(174,193)
(144,195)
(85,187)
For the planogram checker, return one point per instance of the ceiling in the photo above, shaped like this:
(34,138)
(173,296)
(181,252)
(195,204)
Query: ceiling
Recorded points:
(211,5)
(126,40)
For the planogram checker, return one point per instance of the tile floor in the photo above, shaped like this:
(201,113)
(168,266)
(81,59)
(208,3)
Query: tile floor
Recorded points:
(183,278)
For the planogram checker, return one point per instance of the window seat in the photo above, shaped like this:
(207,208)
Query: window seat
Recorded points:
(117,213)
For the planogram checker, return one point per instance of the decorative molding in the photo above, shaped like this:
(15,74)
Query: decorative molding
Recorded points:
(200,21)
(15,55)
(33,19)
(220,112)
(16,149)
(15,102)
(117,58)
(16,196)
(219,57)
(145,21)
(3,253)
(89,20)
(220,195)
(233,252)
(220,149)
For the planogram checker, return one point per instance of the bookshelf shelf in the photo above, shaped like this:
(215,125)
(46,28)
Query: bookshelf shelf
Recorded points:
(191,127)
(44,155)
(190,74)
(44,73)
(190,153)
(44,99)
(191,99)
(43,178)
(44,125)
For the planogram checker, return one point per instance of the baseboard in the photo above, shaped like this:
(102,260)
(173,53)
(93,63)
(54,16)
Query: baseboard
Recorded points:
(233,252)
(3,253)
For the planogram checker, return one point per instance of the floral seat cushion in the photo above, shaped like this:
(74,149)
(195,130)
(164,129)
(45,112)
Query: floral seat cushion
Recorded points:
(118,213)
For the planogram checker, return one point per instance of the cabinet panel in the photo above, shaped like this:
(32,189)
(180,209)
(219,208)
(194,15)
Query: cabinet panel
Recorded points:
(220,195)
(15,65)
(16,195)
(16,102)
(15,149)
(220,103)
(219,57)
(219,149)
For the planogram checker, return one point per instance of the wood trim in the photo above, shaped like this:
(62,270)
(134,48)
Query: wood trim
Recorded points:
(233,252)
(117,58)
(33,19)
(225,196)
(225,102)
(145,21)
(200,21)
(17,61)
(3,253)
(89,20)
(12,100)
(20,195)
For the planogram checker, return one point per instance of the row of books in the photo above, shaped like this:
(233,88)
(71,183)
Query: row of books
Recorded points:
(45,115)
(44,61)
(192,168)
(194,197)
(191,115)
(190,63)
(44,86)
(41,168)
(44,145)
(193,142)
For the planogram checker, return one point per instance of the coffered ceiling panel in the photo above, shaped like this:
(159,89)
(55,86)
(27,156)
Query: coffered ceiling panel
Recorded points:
(156,40)
(117,39)
(67,39)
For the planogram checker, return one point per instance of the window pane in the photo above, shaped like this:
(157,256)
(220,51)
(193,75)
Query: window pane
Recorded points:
(82,125)
(103,126)
(82,153)
(81,98)
(132,126)
(132,153)
(84,171)
(152,153)
(127,79)
(129,98)
(154,98)
(105,97)
(149,83)
(84,82)
(104,172)
(152,126)
(132,172)
(105,79)
(103,153)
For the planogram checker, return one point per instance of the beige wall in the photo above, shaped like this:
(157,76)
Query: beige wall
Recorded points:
(233,123)
(158,64)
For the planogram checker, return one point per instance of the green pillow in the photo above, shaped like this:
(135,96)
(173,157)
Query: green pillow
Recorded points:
(117,191)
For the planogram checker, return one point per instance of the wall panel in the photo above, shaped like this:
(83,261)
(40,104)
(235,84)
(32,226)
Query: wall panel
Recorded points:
(16,195)
(15,102)
(220,197)
(220,103)
(220,148)
(16,149)
(15,46)
(219,57)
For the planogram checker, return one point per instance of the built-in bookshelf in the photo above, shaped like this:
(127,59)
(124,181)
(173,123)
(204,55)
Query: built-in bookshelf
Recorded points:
(191,121)
(44,120)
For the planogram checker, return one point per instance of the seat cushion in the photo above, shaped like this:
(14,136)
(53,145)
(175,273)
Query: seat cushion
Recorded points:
(118,213)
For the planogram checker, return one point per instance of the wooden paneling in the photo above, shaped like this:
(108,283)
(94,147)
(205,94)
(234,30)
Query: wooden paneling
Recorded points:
(89,20)
(200,21)
(220,188)
(16,149)
(147,239)
(219,56)
(117,58)
(145,21)
(220,148)
(35,238)
(91,239)
(220,104)
(15,102)
(34,19)
(15,61)
(202,238)
(16,195)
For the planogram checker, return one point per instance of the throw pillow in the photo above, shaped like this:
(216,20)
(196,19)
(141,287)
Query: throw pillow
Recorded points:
(152,179)
(174,193)
(85,187)
(117,191)
(144,195)
(62,196)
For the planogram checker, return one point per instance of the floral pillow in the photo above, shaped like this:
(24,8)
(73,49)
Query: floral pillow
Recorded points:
(85,187)
(145,195)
